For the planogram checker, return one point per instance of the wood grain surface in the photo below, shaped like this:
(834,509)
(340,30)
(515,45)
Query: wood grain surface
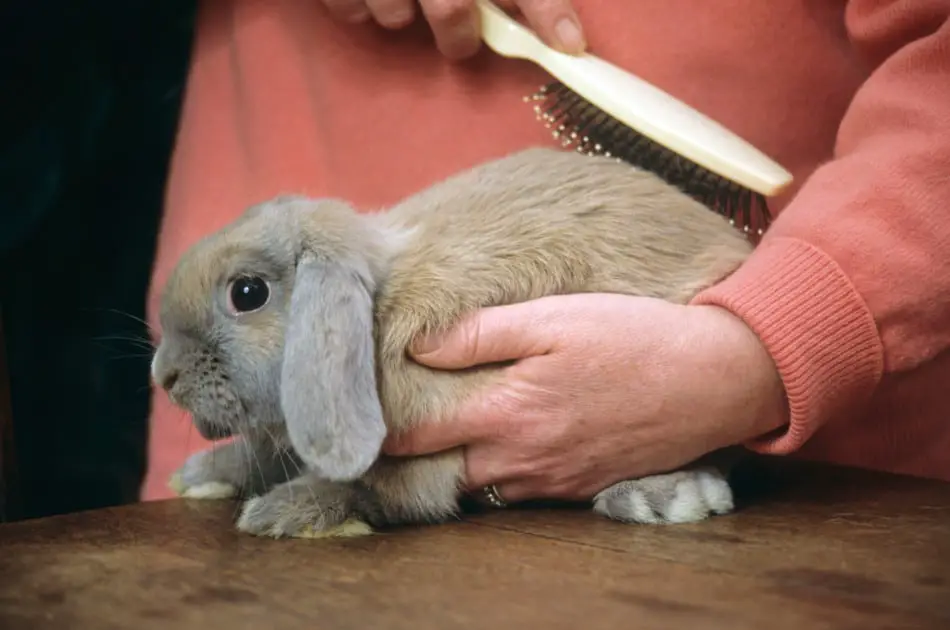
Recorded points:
(818,548)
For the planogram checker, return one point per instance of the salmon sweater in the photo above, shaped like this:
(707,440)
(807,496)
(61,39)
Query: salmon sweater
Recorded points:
(850,288)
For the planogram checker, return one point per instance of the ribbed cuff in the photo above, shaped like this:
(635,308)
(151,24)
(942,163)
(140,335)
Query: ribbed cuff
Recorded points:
(816,327)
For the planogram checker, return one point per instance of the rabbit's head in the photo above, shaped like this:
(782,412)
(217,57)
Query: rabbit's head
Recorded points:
(267,325)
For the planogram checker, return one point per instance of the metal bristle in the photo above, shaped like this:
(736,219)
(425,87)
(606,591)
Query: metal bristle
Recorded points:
(590,131)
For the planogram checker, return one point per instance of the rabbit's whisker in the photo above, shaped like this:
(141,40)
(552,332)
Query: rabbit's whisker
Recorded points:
(134,318)
(257,463)
(128,356)
(139,341)
(278,451)
(293,460)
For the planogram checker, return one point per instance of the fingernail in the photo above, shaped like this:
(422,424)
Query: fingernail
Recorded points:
(398,17)
(569,35)
(359,16)
(390,445)
(461,49)
(427,344)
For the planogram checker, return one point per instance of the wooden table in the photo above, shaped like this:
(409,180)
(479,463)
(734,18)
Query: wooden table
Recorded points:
(828,548)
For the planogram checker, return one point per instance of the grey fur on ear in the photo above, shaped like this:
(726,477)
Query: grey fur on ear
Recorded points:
(328,379)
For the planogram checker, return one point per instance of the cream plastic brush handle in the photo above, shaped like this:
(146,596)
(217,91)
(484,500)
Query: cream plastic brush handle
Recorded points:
(639,105)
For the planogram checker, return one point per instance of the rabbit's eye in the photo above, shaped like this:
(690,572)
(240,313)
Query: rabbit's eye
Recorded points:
(247,294)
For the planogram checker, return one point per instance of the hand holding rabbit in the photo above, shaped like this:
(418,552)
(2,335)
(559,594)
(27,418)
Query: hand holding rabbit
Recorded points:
(455,23)
(605,388)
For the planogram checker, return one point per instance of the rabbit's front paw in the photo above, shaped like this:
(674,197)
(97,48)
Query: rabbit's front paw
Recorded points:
(208,474)
(303,508)
(685,496)
(241,467)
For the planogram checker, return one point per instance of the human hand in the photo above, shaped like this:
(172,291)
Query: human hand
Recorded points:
(455,23)
(604,388)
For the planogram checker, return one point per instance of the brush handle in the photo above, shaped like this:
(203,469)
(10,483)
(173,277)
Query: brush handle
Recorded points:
(639,105)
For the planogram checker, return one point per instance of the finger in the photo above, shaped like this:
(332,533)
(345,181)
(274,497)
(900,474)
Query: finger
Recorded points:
(430,438)
(455,25)
(509,492)
(483,417)
(352,11)
(484,466)
(392,13)
(513,489)
(490,335)
(556,24)
(497,463)
(435,437)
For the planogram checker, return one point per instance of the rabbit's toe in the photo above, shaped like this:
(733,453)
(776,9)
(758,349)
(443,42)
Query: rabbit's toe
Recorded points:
(684,496)
(209,474)
(206,490)
(234,469)
(201,489)
(298,509)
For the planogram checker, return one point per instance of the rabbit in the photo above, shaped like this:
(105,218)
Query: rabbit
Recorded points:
(287,331)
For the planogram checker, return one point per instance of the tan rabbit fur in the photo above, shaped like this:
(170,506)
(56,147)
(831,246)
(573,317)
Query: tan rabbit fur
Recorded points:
(314,379)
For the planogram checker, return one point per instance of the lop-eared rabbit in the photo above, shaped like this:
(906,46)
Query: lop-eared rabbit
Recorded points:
(288,330)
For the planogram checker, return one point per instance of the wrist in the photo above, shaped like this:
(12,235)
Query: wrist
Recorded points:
(756,380)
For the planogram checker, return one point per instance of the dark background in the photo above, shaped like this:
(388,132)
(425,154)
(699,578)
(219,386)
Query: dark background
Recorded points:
(89,102)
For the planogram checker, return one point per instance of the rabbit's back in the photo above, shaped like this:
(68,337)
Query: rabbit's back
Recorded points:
(537,223)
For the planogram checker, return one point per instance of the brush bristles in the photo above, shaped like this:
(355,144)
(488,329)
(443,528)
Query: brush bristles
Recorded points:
(577,123)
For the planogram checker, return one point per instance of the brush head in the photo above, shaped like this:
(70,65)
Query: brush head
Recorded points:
(577,123)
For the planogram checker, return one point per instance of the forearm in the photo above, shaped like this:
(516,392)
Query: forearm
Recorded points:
(853,279)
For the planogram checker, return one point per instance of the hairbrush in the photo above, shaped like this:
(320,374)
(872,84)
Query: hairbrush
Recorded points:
(601,109)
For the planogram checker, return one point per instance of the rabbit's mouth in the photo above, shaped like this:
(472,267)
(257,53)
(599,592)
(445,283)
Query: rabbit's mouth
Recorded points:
(215,411)
(210,429)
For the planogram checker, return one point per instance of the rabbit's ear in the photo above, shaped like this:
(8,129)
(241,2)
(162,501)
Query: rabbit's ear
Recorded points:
(328,378)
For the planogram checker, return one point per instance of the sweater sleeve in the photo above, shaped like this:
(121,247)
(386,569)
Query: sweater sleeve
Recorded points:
(852,280)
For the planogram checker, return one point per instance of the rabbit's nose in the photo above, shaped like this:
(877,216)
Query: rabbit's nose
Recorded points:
(168,380)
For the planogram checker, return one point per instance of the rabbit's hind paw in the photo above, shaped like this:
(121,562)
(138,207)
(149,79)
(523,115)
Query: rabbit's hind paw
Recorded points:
(685,496)
(303,508)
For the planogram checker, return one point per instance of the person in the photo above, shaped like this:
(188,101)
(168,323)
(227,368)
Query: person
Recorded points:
(829,343)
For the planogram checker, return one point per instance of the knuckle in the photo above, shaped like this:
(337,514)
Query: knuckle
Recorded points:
(561,485)
(543,7)
(471,337)
(392,13)
(542,485)
(344,6)
(403,443)
(529,471)
(349,10)
(443,11)
(553,433)
(496,425)
(507,416)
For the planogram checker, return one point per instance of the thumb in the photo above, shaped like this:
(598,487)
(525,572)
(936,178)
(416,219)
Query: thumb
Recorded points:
(490,335)
(556,22)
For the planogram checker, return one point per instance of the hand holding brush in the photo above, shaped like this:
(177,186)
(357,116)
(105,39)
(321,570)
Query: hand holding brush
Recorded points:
(456,24)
